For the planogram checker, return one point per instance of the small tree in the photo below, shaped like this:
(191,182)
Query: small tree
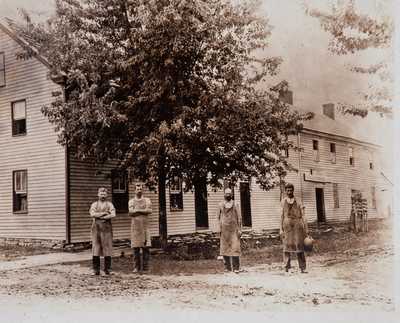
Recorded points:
(168,87)
(353,32)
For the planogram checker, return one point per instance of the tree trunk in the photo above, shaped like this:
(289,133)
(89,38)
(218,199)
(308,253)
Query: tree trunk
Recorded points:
(162,209)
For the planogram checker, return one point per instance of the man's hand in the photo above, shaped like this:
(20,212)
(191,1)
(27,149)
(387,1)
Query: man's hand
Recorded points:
(281,234)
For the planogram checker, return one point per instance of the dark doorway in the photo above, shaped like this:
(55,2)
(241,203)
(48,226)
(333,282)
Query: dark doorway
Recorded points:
(201,204)
(245,204)
(319,197)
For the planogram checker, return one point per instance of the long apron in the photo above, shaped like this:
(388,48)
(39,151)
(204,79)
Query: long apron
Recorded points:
(293,228)
(102,238)
(230,240)
(140,233)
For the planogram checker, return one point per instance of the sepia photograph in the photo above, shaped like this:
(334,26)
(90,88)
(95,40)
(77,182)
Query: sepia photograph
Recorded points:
(199,160)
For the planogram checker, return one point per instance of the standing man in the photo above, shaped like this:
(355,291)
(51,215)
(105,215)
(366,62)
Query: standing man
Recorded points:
(102,212)
(139,210)
(293,229)
(230,224)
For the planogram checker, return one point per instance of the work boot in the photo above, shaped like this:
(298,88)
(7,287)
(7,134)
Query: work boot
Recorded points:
(107,265)
(96,265)
(146,258)
(227,263)
(136,260)
(235,264)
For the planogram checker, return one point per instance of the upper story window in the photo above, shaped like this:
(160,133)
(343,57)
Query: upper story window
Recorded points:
(351,156)
(176,194)
(18,114)
(315,150)
(371,160)
(20,191)
(333,152)
(2,70)
(120,192)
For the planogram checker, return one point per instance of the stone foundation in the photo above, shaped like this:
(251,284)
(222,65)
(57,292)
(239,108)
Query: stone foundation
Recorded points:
(33,243)
(192,246)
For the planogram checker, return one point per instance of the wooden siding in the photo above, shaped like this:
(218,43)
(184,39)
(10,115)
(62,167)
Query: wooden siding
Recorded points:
(37,151)
(348,177)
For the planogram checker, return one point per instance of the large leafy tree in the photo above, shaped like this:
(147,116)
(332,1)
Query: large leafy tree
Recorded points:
(169,88)
(352,32)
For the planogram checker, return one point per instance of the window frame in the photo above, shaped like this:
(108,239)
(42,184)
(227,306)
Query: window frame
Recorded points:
(120,194)
(332,152)
(176,191)
(3,70)
(315,143)
(13,127)
(335,193)
(373,198)
(352,161)
(371,160)
(21,192)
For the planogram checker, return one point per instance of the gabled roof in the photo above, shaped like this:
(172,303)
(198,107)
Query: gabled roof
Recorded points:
(325,125)
(10,28)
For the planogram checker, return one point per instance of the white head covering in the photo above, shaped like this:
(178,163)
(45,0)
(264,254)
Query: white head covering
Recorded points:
(228,191)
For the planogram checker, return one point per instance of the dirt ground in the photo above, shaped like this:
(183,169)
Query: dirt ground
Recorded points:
(346,272)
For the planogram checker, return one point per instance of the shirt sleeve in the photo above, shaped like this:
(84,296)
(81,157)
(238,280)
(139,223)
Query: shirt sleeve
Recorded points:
(131,206)
(239,216)
(93,211)
(112,211)
(148,206)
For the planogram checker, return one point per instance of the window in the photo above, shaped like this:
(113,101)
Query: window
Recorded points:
(351,156)
(333,152)
(120,192)
(2,70)
(373,197)
(335,196)
(201,204)
(18,112)
(371,161)
(176,194)
(315,150)
(20,191)
(285,152)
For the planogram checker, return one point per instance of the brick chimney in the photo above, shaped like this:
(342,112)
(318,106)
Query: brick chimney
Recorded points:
(328,109)
(286,96)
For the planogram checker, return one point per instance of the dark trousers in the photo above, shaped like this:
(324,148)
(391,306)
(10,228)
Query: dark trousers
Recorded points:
(96,264)
(301,258)
(231,262)
(141,259)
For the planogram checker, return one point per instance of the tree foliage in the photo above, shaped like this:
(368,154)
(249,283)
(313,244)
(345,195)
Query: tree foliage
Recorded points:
(352,32)
(168,87)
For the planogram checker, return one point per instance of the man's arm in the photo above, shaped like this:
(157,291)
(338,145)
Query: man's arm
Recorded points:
(111,212)
(305,222)
(148,210)
(94,213)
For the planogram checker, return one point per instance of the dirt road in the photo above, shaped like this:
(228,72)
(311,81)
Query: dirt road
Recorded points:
(357,279)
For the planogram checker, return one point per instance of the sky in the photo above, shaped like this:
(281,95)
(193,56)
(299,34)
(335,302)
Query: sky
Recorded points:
(315,75)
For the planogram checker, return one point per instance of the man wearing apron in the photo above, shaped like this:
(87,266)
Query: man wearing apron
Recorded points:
(102,212)
(140,210)
(293,229)
(230,224)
